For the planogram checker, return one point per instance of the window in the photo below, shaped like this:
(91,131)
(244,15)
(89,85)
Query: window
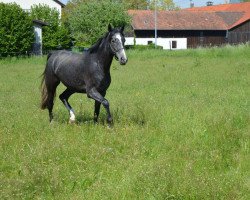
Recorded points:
(174,44)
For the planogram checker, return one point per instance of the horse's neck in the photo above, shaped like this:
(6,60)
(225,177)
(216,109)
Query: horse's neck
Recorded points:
(104,56)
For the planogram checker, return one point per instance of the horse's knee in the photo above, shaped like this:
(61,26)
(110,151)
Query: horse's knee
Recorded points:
(61,97)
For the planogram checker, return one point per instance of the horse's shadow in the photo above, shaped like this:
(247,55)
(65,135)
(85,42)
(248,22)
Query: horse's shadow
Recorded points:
(81,118)
(137,117)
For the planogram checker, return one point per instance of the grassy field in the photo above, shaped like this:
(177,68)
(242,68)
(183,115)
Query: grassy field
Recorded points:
(181,131)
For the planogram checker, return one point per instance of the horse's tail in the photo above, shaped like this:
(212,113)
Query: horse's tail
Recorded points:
(44,92)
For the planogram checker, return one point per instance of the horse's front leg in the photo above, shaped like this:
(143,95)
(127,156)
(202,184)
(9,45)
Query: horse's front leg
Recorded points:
(97,108)
(94,94)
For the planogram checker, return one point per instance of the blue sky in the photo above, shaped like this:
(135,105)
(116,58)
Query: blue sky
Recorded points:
(186,3)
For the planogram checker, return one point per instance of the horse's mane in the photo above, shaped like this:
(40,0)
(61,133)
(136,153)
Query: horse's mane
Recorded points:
(94,48)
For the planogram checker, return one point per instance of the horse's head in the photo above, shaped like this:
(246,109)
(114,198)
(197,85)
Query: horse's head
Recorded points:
(117,41)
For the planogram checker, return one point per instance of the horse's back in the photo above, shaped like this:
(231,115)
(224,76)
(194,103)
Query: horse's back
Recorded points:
(68,67)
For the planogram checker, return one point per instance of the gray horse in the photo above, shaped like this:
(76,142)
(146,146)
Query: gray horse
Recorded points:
(88,73)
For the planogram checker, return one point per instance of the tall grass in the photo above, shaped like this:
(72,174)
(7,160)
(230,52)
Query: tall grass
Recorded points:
(181,131)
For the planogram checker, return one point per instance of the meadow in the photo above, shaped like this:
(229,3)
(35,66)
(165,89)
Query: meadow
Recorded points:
(181,130)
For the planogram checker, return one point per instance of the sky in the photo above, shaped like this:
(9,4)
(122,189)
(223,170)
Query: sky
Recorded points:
(186,3)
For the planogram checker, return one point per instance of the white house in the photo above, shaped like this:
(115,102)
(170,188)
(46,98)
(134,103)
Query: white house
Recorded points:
(26,4)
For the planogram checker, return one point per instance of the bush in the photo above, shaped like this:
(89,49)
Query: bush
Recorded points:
(89,21)
(55,35)
(16,30)
(144,47)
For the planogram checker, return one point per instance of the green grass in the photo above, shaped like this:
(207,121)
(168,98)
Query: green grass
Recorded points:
(181,131)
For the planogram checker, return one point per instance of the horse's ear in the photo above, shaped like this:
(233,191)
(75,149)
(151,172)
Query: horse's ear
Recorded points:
(122,28)
(110,28)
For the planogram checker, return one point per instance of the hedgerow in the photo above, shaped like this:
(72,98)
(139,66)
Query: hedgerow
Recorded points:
(16,30)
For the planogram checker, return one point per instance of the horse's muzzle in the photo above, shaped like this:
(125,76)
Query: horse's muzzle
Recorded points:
(123,61)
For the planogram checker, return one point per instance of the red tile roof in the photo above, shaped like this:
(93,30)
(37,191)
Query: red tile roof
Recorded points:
(236,7)
(221,17)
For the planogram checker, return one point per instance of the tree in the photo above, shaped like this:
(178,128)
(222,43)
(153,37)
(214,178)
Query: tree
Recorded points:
(163,5)
(16,30)
(136,4)
(89,21)
(55,35)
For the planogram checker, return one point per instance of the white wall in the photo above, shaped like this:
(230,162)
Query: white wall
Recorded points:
(166,43)
(26,4)
(129,41)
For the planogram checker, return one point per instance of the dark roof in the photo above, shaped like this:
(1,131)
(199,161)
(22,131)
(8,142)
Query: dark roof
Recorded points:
(40,22)
(183,20)
(59,2)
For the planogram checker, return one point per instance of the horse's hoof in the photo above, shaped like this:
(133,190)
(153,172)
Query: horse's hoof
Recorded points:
(110,125)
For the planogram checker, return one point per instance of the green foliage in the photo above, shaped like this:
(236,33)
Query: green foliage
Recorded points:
(16,30)
(181,131)
(136,4)
(89,21)
(55,35)
(144,47)
(163,5)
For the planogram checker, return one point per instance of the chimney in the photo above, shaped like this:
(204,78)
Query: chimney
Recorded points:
(191,4)
(209,3)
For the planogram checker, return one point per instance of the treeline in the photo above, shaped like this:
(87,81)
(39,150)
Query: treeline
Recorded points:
(87,20)
(17,32)
(81,24)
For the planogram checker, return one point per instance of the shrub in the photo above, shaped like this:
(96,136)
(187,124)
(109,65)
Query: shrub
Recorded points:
(16,30)
(143,47)
(89,21)
(55,35)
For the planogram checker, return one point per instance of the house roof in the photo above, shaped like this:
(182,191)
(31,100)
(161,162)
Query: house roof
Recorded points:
(219,17)
(60,3)
(183,20)
(236,7)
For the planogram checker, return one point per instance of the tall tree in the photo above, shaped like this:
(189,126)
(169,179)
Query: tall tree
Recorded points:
(136,4)
(163,4)
(89,21)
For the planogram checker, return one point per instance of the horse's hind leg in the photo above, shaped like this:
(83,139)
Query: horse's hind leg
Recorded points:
(97,111)
(51,85)
(64,98)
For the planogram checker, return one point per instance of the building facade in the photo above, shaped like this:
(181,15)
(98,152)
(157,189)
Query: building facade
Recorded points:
(200,26)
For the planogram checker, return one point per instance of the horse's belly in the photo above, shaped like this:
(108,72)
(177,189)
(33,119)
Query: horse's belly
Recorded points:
(74,82)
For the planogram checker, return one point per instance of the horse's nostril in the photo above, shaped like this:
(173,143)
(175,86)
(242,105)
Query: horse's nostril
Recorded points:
(124,60)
